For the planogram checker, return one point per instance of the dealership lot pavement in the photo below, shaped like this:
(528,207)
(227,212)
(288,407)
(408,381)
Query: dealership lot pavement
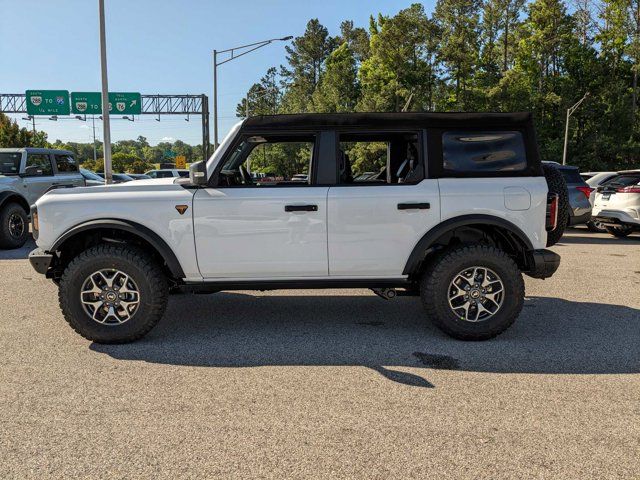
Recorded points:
(316,383)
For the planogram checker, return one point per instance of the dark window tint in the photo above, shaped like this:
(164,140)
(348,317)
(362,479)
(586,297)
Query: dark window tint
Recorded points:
(164,174)
(624,180)
(483,151)
(183,174)
(66,163)
(571,175)
(42,161)
(10,163)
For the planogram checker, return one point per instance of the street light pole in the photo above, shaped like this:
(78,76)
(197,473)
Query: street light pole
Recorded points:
(570,111)
(106,136)
(232,51)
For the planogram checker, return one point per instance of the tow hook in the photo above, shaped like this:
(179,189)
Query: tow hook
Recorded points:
(386,293)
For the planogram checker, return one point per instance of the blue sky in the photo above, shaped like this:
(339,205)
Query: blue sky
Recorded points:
(161,46)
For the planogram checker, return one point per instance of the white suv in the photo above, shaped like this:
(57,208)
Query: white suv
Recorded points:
(617,203)
(459,208)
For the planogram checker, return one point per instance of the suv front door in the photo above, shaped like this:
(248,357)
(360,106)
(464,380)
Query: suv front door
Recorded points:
(258,223)
(382,204)
(66,171)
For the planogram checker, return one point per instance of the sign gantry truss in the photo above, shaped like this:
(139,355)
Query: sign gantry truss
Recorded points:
(151,105)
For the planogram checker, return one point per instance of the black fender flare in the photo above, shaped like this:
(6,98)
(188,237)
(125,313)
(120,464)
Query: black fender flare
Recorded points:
(127,226)
(420,250)
(10,194)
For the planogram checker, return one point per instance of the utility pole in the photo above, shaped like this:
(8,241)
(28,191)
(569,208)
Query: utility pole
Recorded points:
(95,156)
(106,136)
(570,111)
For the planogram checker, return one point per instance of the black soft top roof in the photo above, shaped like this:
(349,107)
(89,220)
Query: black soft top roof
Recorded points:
(410,119)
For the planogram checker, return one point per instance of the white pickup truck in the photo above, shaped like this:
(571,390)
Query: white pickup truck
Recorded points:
(453,208)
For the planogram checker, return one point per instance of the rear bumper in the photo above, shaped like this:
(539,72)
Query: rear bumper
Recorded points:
(40,261)
(616,218)
(543,263)
(579,219)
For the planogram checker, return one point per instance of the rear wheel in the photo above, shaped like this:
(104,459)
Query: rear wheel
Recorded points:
(113,293)
(619,231)
(557,184)
(14,226)
(473,292)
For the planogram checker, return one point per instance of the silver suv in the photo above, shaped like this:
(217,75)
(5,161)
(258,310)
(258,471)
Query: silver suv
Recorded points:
(25,175)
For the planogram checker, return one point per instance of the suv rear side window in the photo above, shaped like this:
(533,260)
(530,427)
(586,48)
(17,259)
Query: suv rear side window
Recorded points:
(379,158)
(164,174)
(483,151)
(42,161)
(66,163)
(571,175)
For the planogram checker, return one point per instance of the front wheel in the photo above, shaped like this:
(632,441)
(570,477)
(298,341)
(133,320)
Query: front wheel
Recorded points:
(14,226)
(620,232)
(113,293)
(473,292)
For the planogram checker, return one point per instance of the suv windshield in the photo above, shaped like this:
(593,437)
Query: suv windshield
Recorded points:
(10,163)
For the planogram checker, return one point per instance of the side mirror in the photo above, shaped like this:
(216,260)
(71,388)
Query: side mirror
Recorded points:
(32,171)
(198,173)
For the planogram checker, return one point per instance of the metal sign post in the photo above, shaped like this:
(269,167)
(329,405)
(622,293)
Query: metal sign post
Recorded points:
(106,134)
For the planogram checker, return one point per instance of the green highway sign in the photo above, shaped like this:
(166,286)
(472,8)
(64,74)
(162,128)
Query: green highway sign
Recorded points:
(47,102)
(125,103)
(86,102)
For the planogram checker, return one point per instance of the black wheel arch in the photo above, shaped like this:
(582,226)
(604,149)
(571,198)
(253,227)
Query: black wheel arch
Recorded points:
(103,226)
(508,235)
(11,196)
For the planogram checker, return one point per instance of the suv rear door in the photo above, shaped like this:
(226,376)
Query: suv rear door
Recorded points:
(376,219)
(66,170)
(36,185)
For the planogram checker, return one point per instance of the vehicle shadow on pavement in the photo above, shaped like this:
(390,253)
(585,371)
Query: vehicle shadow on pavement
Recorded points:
(240,330)
(594,239)
(18,253)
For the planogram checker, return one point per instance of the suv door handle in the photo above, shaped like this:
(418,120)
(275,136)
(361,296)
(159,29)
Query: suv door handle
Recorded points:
(300,208)
(414,206)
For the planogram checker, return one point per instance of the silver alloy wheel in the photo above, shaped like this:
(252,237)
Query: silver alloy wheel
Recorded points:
(476,294)
(16,225)
(110,297)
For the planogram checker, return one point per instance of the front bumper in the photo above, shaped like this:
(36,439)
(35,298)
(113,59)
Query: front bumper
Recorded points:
(40,260)
(542,263)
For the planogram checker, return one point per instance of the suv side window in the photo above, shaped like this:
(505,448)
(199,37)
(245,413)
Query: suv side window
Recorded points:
(66,163)
(42,161)
(269,161)
(164,174)
(483,151)
(379,158)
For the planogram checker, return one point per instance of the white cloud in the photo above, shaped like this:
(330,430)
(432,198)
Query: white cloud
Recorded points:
(167,139)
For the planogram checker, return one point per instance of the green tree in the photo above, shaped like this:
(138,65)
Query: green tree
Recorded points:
(12,136)
(338,87)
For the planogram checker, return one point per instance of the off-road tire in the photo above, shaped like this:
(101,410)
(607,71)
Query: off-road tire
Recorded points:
(556,184)
(7,239)
(133,261)
(436,280)
(620,232)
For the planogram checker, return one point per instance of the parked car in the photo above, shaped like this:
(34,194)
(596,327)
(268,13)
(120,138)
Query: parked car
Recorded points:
(91,179)
(139,176)
(578,192)
(167,173)
(25,175)
(594,180)
(117,177)
(459,233)
(617,204)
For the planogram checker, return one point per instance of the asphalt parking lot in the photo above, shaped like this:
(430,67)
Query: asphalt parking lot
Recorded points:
(319,383)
